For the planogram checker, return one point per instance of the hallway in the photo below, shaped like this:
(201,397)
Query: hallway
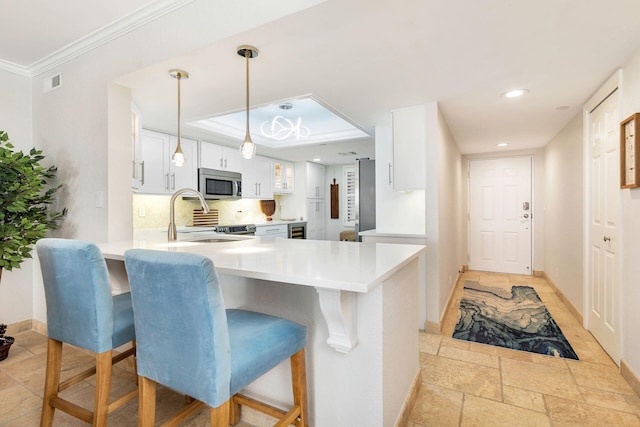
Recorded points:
(465,383)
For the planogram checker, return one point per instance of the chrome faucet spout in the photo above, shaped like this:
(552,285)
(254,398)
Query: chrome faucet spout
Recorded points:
(173,233)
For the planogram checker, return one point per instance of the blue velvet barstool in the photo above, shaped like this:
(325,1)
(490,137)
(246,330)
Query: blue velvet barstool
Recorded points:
(189,342)
(82,312)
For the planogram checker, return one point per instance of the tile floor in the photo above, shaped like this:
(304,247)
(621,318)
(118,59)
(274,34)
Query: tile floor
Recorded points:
(463,384)
(468,384)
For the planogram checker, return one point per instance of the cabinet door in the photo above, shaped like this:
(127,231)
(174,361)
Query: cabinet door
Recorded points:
(316,219)
(213,156)
(154,169)
(210,155)
(231,159)
(409,148)
(315,180)
(257,178)
(283,178)
(185,176)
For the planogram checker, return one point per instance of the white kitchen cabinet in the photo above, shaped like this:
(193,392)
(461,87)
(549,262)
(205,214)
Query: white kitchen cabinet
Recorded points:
(316,219)
(272,230)
(158,174)
(283,179)
(315,181)
(407,170)
(257,178)
(213,156)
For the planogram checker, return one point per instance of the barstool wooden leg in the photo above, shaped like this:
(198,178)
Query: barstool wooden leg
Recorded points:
(299,380)
(234,411)
(51,381)
(146,402)
(103,389)
(220,415)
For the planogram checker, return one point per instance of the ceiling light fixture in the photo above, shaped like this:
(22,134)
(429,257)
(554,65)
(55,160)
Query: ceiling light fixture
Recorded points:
(178,156)
(247,148)
(515,93)
(502,144)
(280,128)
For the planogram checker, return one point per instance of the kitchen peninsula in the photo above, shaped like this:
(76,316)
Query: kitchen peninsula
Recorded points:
(358,300)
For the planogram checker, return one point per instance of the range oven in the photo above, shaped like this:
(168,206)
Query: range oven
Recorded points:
(246,229)
(216,184)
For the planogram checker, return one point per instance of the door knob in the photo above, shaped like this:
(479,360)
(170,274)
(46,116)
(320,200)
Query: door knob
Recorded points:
(606,238)
(526,216)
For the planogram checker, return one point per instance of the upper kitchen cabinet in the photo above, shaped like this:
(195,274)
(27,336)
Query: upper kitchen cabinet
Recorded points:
(283,179)
(158,174)
(407,169)
(257,178)
(315,181)
(213,156)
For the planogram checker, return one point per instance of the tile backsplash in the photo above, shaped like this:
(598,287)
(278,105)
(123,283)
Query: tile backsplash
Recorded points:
(152,211)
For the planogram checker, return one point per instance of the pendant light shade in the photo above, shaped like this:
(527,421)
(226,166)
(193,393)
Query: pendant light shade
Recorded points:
(178,156)
(247,148)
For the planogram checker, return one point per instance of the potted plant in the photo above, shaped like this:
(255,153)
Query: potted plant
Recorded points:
(5,342)
(25,200)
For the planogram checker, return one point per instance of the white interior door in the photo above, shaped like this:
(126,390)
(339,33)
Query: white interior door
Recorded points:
(500,215)
(604,189)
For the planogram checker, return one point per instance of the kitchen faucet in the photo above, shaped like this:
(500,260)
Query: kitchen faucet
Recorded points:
(173,234)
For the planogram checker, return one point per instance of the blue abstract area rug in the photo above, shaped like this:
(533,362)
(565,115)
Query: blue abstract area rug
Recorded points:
(515,319)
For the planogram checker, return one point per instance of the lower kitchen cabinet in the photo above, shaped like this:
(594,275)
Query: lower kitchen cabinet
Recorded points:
(275,230)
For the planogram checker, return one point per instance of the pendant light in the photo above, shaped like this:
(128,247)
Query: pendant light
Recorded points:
(247,148)
(178,156)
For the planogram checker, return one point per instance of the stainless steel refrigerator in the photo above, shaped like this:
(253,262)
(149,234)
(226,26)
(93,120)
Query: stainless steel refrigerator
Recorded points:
(365,189)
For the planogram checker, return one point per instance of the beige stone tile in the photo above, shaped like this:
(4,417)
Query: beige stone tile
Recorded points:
(463,376)
(470,356)
(541,359)
(606,399)
(526,399)
(482,412)
(436,406)
(429,343)
(599,377)
(552,380)
(564,412)
(16,401)
(454,343)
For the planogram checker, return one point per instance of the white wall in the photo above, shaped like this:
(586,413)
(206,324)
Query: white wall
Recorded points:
(450,212)
(15,119)
(538,198)
(563,236)
(631,232)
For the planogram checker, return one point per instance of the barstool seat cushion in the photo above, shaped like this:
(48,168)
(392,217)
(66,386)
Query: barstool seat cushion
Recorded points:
(259,342)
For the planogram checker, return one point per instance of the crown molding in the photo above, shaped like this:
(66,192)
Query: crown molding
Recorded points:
(136,19)
(14,68)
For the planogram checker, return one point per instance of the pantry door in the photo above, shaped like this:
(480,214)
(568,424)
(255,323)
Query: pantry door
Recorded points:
(500,215)
(603,225)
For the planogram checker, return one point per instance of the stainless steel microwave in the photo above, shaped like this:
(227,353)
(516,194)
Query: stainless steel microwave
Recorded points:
(216,184)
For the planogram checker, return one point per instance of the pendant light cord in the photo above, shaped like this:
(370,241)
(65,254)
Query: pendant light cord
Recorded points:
(179,77)
(247,55)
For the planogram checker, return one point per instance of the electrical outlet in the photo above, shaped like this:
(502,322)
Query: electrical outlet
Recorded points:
(142,212)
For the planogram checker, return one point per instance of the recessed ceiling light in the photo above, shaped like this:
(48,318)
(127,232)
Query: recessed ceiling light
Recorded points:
(515,93)
(502,144)
(316,160)
(562,108)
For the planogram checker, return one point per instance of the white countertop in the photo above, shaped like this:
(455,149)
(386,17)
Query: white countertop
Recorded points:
(347,266)
(380,233)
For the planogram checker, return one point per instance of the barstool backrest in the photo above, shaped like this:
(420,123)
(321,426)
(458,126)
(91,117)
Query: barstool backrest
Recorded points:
(78,293)
(181,324)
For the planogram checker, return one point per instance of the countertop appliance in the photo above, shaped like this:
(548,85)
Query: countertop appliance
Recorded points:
(216,184)
(246,229)
(365,186)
